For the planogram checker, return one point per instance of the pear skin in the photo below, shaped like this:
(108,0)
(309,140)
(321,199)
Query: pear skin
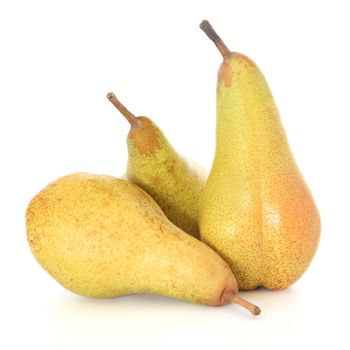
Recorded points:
(104,237)
(256,210)
(157,168)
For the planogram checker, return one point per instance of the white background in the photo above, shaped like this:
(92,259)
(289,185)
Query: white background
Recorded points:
(58,61)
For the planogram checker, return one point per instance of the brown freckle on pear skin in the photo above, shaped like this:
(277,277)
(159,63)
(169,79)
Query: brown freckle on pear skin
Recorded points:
(144,136)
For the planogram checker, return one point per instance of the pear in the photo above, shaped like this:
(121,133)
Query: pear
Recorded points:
(157,168)
(256,210)
(105,237)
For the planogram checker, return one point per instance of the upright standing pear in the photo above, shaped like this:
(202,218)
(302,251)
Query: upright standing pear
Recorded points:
(256,210)
(156,167)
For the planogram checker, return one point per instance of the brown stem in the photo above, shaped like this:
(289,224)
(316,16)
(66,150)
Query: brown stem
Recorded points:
(251,307)
(122,109)
(214,37)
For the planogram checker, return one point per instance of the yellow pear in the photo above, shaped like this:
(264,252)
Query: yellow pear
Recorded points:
(157,168)
(105,237)
(256,210)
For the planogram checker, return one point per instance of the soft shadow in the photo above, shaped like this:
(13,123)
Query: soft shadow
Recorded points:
(275,302)
(123,312)
(67,312)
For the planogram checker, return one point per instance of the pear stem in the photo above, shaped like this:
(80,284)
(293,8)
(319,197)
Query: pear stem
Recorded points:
(122,109)
(214,37)
(251,307)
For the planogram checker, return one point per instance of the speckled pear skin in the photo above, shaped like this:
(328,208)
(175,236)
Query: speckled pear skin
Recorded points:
(171,180)
(104,237)
(256,210)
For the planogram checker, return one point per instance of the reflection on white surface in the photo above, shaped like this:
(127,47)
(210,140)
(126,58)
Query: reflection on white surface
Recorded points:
(132,320)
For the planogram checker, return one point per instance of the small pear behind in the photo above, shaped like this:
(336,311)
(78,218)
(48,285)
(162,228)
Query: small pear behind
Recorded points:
(156,167)
(105,237)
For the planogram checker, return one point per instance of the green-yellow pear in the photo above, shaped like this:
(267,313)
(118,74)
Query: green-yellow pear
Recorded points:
(256,210)
(105,237)
(157,168)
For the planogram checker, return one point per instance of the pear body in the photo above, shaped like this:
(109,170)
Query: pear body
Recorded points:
(104,237)
(256,210)
(173,182)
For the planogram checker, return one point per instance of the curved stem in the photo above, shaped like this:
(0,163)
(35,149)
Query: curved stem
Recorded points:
(122,109)
(251,307)
(214,37)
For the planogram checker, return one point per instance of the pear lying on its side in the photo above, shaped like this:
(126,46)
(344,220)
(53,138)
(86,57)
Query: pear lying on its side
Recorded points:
(104,237)
(155,166)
